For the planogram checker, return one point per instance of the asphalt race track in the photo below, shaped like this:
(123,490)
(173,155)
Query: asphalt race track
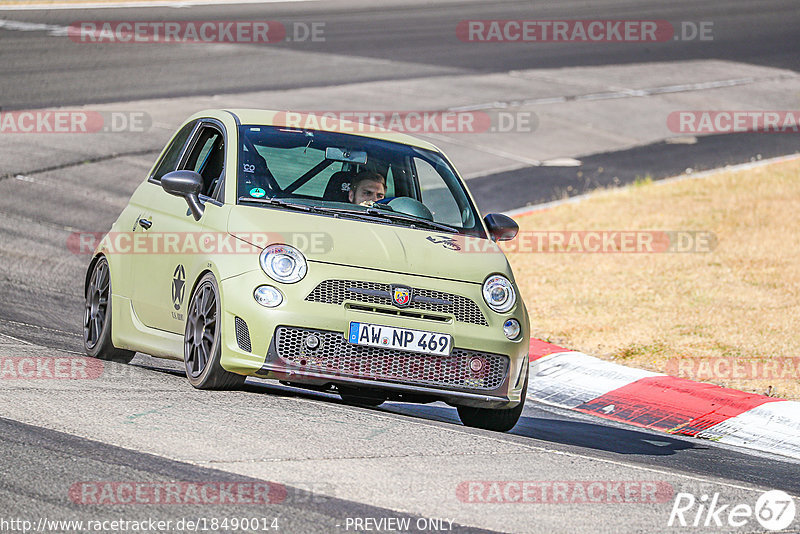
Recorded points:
(397,41)
(332,464)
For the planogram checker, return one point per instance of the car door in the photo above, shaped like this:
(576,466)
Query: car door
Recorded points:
(171,243)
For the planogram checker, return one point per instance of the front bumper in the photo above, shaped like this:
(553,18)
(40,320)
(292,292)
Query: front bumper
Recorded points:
(267,342)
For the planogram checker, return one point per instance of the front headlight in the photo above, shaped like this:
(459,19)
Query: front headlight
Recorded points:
(499,293)
(283,263)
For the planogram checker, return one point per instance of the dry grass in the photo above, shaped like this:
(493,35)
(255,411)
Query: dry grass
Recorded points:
(740,302)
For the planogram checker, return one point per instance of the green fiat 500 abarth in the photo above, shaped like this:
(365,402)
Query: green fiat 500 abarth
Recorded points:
(341,258)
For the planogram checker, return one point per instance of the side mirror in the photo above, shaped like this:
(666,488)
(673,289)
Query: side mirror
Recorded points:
(501,227)
(186,184)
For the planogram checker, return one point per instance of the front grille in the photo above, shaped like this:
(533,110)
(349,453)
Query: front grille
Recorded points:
(396,312)
(336,356)
(337,291)
(242,334)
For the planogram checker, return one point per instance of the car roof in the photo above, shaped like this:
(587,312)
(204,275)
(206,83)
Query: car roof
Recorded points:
(291,119)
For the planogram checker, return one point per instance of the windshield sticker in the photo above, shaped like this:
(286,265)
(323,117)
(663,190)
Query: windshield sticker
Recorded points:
(257,192)
(445,241)
(247,167)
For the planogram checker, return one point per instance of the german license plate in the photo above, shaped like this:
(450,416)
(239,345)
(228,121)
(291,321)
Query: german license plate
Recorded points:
(389,337)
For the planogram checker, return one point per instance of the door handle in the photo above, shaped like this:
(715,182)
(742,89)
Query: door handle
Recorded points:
(144,223)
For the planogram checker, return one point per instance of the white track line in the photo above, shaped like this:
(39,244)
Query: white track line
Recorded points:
(20,26)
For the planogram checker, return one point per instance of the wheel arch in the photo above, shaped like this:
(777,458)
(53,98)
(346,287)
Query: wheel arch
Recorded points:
(203,266)
(88,275)
(200,275)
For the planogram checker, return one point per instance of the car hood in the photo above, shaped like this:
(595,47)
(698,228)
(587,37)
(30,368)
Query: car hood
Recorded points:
(370,245)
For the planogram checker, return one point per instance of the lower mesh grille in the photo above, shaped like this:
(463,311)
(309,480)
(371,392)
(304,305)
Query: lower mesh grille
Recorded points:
(242,335)
(336,356)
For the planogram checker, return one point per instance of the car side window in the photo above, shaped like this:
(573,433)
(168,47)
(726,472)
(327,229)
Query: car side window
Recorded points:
(207,158)
(169,162)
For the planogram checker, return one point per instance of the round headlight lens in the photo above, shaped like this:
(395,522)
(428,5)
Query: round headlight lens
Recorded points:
(499,293)
(268,296)
(283,263)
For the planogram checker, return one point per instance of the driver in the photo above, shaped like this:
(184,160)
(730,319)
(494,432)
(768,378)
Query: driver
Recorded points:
(367,187)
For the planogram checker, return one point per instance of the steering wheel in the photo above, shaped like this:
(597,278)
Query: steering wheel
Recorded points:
(410,206)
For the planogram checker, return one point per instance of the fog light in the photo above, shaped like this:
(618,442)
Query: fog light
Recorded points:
(312,342)
(476,364)
(511,329)
(268,296)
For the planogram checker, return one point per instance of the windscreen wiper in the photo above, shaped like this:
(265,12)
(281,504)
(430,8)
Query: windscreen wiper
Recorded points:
(274,201)
(383,212)
(358,214)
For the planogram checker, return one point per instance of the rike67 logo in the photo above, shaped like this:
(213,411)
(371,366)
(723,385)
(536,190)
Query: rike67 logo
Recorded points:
(774,510)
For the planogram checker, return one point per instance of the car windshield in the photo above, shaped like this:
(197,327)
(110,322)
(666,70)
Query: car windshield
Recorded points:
(352,176)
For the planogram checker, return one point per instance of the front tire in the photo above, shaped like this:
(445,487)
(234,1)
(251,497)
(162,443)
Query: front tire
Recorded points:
(202,340)
(493,419)
(97,317)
